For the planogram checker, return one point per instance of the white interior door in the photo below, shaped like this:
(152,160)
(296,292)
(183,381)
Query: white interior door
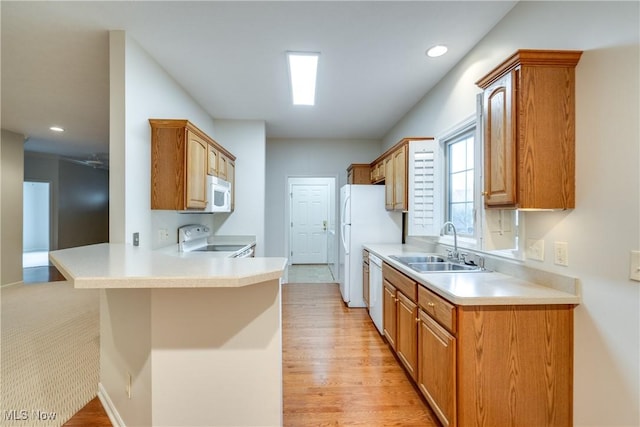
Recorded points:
(309,222)
(35,231)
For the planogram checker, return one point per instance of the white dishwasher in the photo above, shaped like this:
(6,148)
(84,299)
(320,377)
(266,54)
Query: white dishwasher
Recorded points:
(375,291)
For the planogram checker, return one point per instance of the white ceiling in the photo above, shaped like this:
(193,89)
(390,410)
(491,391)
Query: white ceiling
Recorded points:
(230,56)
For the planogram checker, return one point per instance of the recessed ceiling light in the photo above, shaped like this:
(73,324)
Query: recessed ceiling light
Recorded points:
(56,129)
(303,69)
(436,51)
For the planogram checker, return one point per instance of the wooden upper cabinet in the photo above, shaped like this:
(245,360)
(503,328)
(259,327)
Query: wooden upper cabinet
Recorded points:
(181,157)
(231,177)
(500,151)
(389,187)
(400,179)
(392,168)
(196,179)
(377,172)
(359,173)
(178,165)
(212,160)
(529,125)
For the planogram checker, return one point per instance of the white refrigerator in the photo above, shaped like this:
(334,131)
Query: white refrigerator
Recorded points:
(363,219)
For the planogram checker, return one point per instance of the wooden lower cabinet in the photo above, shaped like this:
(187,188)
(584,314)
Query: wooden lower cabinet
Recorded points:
(407,333)
(389,310)
(437,368)
(483,365)
(515,365)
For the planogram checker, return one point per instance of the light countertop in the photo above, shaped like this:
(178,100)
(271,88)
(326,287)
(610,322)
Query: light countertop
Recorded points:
(111,266)
(477,288)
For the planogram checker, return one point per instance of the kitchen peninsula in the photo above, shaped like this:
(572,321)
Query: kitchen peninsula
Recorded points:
(184,340)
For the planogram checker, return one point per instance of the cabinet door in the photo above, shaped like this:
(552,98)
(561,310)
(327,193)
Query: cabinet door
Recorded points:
(389,313)
(231,177)
(400,179)
(196,197)
(212,161)
(388,183)
(500,143)
(437,369)
(223,162)
(407,334)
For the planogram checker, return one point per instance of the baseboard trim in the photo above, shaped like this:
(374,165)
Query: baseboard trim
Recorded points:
(12,284)
(109,408)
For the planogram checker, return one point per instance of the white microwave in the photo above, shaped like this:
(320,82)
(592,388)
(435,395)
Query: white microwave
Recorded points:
(218,195)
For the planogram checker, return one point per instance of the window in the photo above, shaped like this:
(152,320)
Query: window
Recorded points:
(460,182)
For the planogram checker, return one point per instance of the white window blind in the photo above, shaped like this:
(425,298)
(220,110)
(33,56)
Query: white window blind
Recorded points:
(425,184)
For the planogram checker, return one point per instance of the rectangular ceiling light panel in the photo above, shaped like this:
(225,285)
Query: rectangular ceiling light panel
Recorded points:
(303,68)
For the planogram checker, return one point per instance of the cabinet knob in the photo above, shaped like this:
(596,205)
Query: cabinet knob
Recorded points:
(417,320)
(430,304)
(485,193)
(396,299)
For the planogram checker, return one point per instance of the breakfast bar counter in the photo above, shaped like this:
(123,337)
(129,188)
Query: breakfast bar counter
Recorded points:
(109,266)
(184,340)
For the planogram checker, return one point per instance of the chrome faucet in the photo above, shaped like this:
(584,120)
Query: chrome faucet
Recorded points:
(454,254)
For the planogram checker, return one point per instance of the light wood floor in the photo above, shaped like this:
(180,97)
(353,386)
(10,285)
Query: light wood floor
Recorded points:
(337,369)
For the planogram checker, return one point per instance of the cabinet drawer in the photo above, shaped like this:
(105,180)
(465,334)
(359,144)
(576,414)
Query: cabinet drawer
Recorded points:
(438,308)
(403,283)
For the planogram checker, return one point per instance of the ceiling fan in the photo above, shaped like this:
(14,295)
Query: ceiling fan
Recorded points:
(96,161)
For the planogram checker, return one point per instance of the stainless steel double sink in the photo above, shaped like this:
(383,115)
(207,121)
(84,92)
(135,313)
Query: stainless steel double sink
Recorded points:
(433,263)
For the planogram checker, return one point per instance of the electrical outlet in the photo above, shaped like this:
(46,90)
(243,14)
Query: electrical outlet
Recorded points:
(163,234)
(535,249)
(136,239)
(634,270)
(561,253)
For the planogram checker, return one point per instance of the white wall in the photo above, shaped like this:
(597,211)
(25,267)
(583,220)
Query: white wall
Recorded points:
(145,92)
(605,225)
(11,179)
(140,89)
(305,158)
(245,139)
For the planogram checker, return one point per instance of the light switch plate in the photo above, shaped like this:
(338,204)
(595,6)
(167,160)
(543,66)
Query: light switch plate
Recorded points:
(561,253)
(634,270)
(535,249)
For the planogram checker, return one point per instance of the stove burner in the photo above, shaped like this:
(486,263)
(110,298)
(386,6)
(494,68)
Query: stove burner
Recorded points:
(219,248)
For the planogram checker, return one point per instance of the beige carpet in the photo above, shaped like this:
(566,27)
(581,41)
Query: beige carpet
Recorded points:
(50,349)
